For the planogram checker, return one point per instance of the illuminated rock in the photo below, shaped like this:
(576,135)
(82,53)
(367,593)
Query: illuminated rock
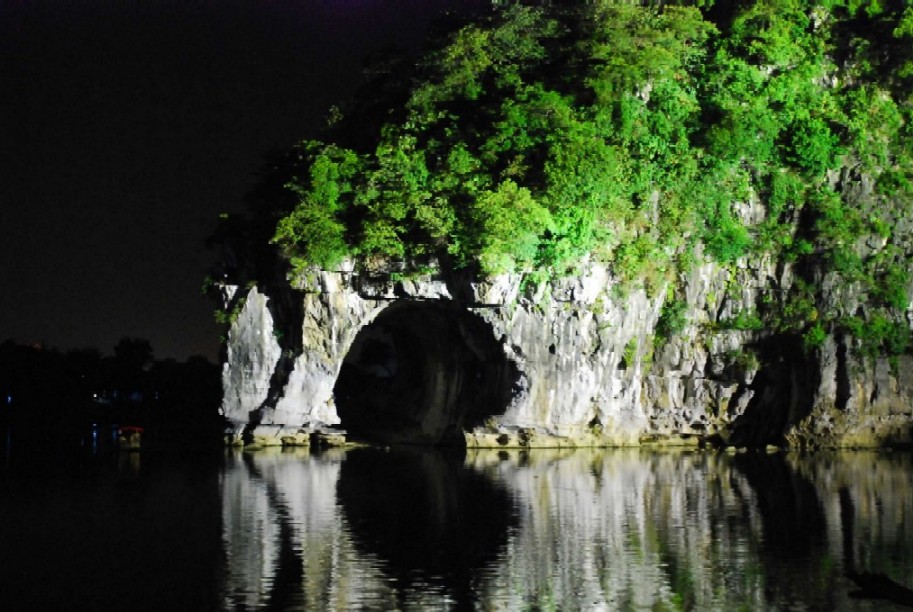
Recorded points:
(578,361)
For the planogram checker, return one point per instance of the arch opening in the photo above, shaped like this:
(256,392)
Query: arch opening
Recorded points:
(423,373)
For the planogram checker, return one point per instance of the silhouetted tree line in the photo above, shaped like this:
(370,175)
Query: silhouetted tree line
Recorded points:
(51,397)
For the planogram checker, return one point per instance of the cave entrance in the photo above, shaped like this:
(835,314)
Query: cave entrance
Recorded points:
(422,373)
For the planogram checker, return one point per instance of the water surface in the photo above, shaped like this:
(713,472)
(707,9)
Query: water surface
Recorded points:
(422,529)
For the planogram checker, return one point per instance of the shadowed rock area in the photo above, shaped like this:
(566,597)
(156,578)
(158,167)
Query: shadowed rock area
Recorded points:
(422,372)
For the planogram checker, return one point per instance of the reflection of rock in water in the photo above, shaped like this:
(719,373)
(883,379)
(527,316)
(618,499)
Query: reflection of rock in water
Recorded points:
(286,583)
(563,530)
(817,511)
(426,516)
(871,585)
(792,517)
(279,527)
(793,550)
(623,530)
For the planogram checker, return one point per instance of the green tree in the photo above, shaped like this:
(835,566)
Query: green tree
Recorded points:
(629,132)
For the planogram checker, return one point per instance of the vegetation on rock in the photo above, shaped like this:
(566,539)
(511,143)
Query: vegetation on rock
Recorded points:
(633,133)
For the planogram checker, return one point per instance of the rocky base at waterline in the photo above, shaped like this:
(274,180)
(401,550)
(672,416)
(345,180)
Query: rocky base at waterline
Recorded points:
(579,361)
(316,435)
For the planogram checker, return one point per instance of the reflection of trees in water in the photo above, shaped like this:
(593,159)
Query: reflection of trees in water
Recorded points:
(428,519)
(793,521)
(880,487)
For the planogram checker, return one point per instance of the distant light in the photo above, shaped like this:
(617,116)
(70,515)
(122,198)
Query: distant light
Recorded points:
(9,400)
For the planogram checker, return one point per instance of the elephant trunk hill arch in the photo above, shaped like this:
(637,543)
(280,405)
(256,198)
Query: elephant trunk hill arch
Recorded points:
(422,372)
(453,359)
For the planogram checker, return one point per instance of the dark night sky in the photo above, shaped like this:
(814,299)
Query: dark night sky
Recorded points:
(127,127)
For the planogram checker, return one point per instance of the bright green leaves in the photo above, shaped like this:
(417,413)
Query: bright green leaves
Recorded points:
(508,223)
(812,146)
(524,126)
(628,132)
(878,334)
(891,287)
(399,213)
(673,318)
(780,107)
(775,33)
(502,159)
(398,180)
(312,236)
(633,46)
(768,91)
(461,66)
(838,223)
(314,232)
(332,173)
(787,194)
(517,39)
(585,194)
(465,60)
(873,123)
(480,58)
(631,174)
(905,24)
(726,236)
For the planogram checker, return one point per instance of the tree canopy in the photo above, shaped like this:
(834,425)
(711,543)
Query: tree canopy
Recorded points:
(631,132)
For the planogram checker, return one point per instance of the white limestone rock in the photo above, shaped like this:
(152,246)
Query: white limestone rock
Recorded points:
(590,369)
(252,353)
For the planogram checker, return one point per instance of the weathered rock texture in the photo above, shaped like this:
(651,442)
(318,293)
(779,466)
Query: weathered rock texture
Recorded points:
(570,363)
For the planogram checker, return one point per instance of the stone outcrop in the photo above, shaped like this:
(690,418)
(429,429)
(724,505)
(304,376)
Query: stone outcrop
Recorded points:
(578,361)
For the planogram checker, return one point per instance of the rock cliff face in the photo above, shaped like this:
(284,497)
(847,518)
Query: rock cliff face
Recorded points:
(447,358)
(787,158)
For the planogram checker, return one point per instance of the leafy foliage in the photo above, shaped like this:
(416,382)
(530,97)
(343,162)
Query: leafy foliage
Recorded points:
(631,132)
(672,319)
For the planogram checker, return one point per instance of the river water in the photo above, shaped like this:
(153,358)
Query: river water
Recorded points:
(421,529)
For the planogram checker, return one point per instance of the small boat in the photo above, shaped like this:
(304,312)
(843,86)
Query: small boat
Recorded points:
(129,437)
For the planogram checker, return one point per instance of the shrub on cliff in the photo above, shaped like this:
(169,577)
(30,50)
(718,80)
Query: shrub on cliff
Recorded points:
(630,132)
